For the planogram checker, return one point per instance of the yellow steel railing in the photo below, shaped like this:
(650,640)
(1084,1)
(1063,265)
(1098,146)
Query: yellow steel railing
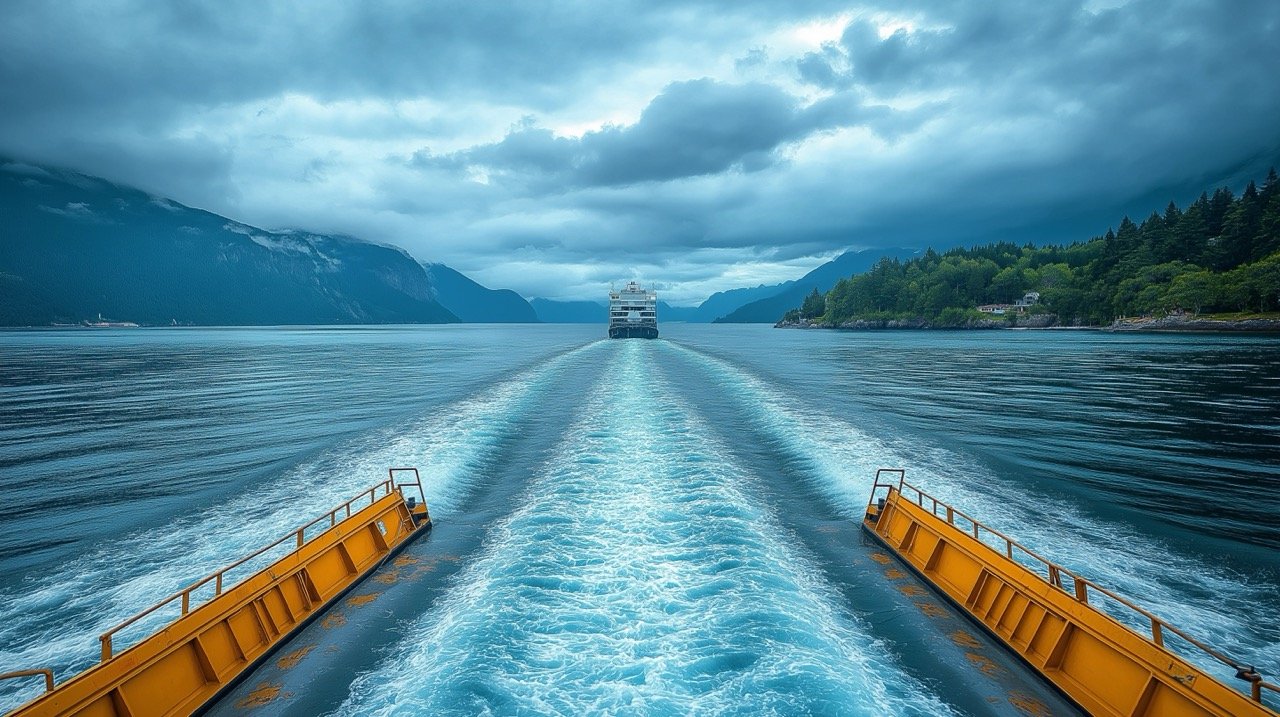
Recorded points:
(48,676)
(1053,573)
(382,489)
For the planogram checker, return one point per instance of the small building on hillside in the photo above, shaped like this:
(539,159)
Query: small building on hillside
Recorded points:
(1018,307)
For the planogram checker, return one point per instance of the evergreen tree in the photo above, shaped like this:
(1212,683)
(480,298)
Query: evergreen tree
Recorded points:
(1267,241)
(1240,228)
(815,305)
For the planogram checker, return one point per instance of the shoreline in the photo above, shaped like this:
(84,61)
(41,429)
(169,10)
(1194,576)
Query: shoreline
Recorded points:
(1186,324)
(1166,324)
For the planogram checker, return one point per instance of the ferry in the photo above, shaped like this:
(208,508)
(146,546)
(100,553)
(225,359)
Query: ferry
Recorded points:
(633,313)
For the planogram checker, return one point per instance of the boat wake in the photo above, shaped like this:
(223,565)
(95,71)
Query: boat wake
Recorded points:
(1209,601)
(52,620)
(637,577)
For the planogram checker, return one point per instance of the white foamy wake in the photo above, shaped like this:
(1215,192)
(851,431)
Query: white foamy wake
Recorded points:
(53,620)
(637,577)
(1210,602)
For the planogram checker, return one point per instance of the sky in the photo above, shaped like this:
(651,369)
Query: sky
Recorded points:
(554,148)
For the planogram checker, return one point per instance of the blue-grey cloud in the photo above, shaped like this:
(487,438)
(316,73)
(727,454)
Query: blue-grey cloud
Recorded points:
(545,146)
(692,128)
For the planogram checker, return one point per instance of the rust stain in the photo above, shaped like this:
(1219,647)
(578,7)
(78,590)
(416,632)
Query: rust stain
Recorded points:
(912,590)
(1029,705)
(983,663)
(881,558)
(332,620)
(932,609)
(261,695)
(361,600)
(894,574)
(964,639)
(291,660)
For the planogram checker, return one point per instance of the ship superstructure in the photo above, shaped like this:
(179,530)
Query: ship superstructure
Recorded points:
(633,313)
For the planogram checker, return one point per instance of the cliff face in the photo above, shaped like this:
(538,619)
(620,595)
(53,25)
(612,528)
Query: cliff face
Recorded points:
(75,246)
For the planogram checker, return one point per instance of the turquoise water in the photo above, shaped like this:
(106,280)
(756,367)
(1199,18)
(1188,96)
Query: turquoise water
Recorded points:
(632,527)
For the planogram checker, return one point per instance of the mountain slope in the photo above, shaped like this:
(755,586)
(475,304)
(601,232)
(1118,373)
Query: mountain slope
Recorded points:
(571,312)
(770,309)
(597,312)
(474,303)
(76,246)
(723,303)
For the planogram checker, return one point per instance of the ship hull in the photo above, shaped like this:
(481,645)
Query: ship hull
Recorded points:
(633,332)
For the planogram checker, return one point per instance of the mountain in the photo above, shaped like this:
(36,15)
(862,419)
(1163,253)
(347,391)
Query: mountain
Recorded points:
(768,310)
(722,303)
(76,246)
(597,312)
(590,312)
(748,305)
(477,304)
(692,314)
(572,312)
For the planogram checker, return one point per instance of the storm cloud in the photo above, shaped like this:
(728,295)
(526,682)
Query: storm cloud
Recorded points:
(551,148)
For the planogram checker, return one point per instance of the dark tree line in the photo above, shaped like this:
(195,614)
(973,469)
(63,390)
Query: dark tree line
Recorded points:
(1220,254)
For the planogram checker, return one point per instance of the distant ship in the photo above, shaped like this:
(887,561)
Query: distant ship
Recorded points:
(102,323)
(633,313)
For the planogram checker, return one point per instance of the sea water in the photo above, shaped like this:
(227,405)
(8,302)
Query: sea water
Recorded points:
(647,520)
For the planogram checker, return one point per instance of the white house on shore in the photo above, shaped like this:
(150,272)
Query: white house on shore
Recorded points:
(1018,307)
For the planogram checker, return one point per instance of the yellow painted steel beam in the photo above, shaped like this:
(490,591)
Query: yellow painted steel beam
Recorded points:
(1103,666)
(194,659)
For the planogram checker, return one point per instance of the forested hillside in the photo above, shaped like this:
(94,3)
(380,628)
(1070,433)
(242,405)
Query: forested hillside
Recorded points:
(1220,254)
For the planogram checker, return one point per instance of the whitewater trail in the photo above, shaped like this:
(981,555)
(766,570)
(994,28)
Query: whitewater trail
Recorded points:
(53,620)
(638,576)
(840,459)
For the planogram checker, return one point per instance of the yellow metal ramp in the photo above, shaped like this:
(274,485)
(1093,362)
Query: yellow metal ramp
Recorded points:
(212,643)
(1050,619)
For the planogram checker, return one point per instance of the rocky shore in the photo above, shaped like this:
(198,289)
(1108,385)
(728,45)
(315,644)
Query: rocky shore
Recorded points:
(1038,321)
(1193,323)
(1049,321)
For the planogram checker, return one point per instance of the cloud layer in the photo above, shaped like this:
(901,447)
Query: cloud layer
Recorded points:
(699,145)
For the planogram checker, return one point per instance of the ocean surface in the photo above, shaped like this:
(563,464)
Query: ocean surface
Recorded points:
(634,527)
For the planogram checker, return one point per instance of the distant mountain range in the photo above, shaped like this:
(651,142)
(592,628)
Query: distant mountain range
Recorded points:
(764,304)
(76,247)
(789,295)
(597,312)
(475,304)
(570,312)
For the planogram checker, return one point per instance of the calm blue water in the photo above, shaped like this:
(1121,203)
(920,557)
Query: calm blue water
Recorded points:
(631,527)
